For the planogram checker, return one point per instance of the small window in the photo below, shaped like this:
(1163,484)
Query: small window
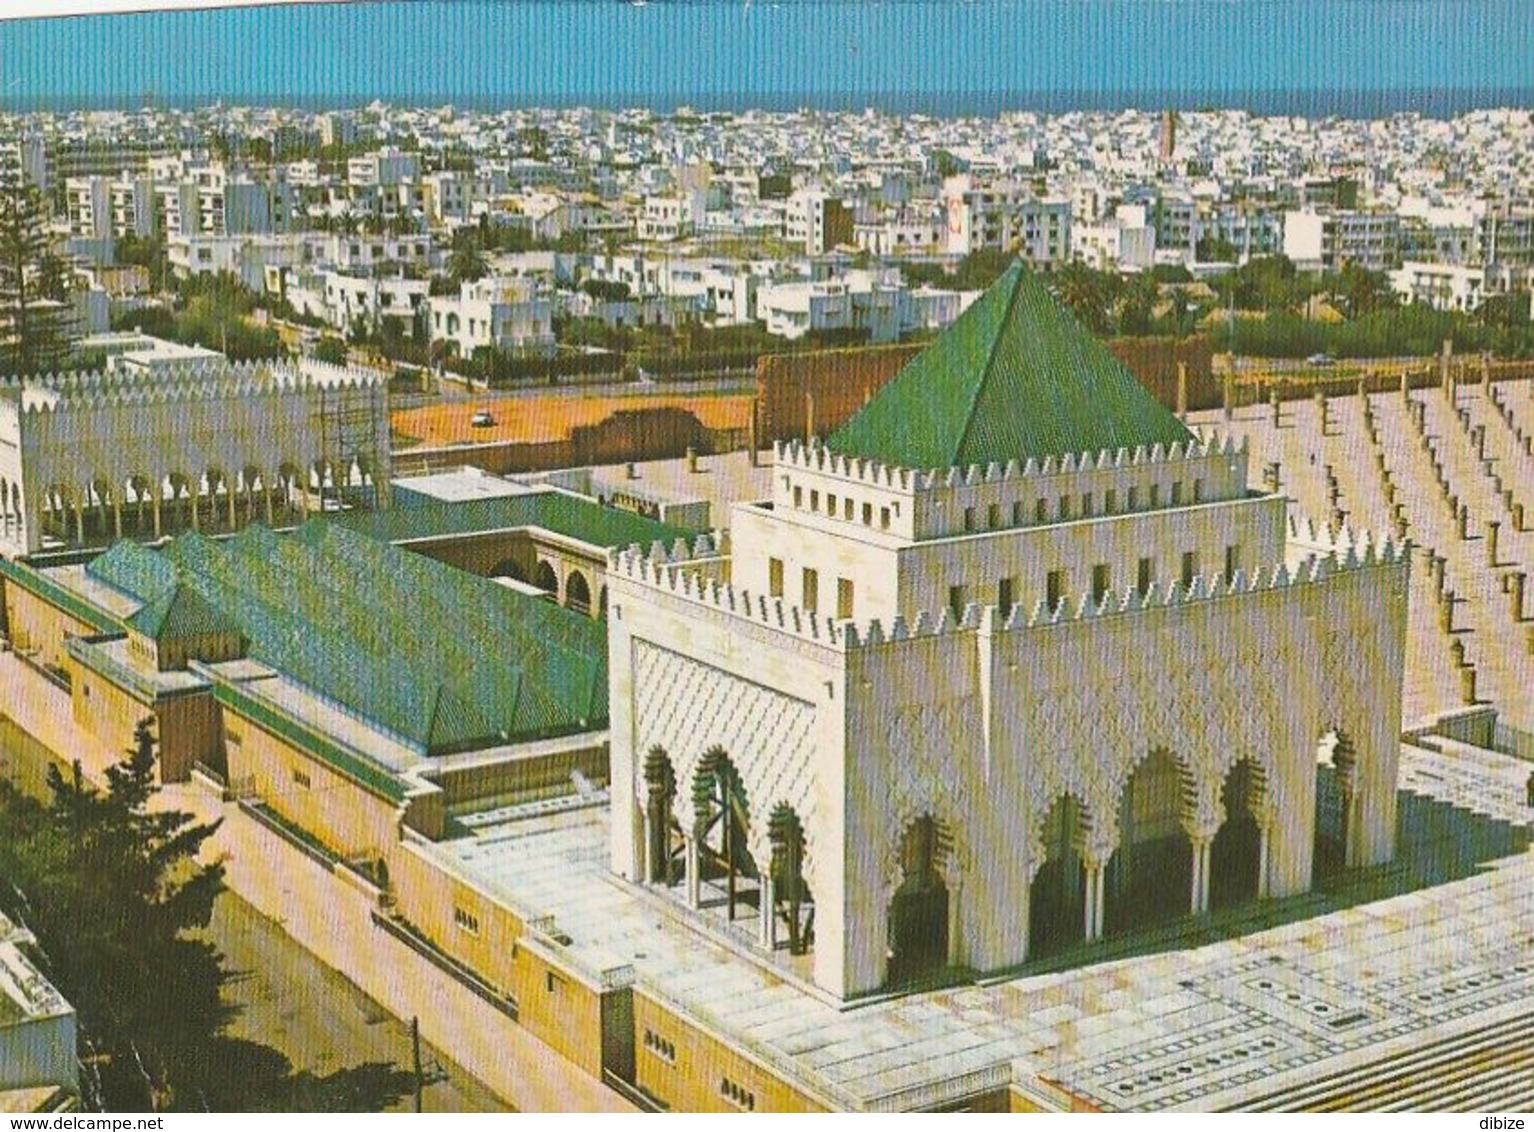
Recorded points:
(844,597)
(1065,507)
(1017,513)
(969,518)
(798,496)
(1040,511)
(1198,491)
(1134,498)
(956,601)
(811,599)
(465,921)
(884,518)
(814,500)
(1054,589)
(831,506)
(1143,575)
(993,516)
(552,982)
(847,509)
(1110,501)
(1086,505)
(1232,563)
(85,691)
(774,577)
(868,514)
(1176,492)
(1155,495)
(1189,567)
(1099,582)
(301,778)
(737,1095)
(659,1046)
(1004,598)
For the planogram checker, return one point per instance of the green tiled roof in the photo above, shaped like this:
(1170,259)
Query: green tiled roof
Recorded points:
(1015,376)
(440,659)
(180,612)
(568,515)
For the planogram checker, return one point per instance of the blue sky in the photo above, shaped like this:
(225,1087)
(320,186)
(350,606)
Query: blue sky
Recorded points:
(609,51)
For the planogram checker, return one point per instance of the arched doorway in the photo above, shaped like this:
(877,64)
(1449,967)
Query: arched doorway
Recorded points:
(918,913)
(1056,898)
(665,848)
(1334,803)
(793,903)
(546,580)
(1150,877)
(577,592)
(722,818)
(508,568)
(1235,856)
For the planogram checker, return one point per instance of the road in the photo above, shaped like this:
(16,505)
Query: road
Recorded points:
(318,1019)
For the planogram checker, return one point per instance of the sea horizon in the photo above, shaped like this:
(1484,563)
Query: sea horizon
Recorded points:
(1365,58)
(1439,103)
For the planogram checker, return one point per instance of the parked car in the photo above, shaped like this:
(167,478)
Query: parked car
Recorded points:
(1319,360)
(482,419)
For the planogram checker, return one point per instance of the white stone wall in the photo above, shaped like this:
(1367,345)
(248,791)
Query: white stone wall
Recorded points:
(912,565)
(71,431)
(984,724)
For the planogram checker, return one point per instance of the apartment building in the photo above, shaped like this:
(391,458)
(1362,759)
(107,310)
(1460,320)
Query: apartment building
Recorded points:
(497,311)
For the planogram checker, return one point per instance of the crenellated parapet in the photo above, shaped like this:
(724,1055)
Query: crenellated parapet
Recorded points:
(674,572)
(816,457)
(190,381)
(941,502)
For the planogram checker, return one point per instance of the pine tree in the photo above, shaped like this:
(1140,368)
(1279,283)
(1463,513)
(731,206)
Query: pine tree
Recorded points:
(34,328)
(116,894)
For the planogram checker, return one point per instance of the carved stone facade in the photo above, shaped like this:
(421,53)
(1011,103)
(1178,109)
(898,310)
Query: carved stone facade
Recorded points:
(89,458)
(984,722)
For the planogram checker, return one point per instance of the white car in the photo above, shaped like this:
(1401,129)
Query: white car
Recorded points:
(1319,360)
(482,419)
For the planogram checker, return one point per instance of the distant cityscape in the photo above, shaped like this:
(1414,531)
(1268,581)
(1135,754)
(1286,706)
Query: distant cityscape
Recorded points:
(843,226)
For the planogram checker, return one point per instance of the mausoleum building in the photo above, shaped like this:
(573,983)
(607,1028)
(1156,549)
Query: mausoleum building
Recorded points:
(1010,660)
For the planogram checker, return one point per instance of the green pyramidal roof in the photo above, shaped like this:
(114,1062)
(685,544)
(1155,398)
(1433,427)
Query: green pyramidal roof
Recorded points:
(1015,376)
(180,612)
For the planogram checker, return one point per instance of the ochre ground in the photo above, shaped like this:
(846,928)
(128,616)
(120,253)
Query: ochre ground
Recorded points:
(541,419)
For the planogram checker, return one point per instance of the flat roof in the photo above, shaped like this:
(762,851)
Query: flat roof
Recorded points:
(723,480)
(1192,1028)
(464,484)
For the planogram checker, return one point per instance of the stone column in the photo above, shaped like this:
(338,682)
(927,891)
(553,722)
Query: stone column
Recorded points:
(233,519)
(117,517)
(694,880)
(955,921)
(191,502)
(1515,595)
(1492,527)
(154,505)
(1182,389)
(1264,835)
(266,498)
(79,522)
(767,919)
(1199,897)
(1092,904)
(1467,684)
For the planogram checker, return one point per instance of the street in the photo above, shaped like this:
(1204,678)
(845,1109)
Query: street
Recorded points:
(319,1020)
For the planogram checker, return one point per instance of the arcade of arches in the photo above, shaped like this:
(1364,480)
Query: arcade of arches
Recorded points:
(151,505)
(1169,858)
(710,863)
